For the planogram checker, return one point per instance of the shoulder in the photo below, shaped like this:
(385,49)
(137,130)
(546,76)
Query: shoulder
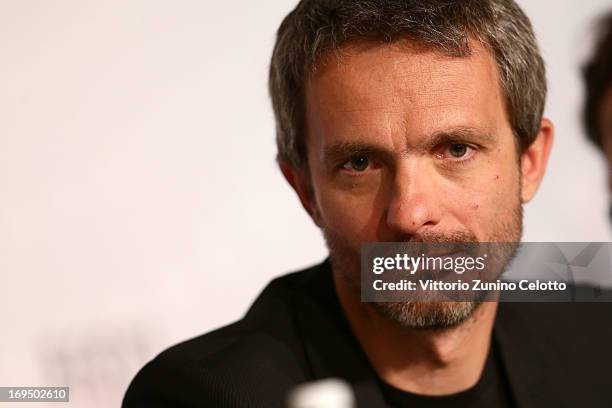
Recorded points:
(569,341)
(557,354)
(593,316)
(248,363)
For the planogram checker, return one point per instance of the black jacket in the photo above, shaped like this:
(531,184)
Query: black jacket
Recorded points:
(555,354)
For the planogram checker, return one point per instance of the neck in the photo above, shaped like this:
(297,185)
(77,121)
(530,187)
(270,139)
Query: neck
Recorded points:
(422,361)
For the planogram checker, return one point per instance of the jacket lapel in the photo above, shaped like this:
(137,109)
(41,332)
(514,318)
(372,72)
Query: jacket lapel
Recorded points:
(330,347)
(529,356)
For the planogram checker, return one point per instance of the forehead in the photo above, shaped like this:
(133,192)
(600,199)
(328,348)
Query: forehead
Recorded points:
(367,86)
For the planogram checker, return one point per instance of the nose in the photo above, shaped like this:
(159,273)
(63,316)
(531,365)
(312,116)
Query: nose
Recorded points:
(414,203)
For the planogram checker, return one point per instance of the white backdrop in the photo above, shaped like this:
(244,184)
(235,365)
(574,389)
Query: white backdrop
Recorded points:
(140,203)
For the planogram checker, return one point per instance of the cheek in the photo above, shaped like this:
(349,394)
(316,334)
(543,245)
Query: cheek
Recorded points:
(353,214)
(492,201)
(496,193)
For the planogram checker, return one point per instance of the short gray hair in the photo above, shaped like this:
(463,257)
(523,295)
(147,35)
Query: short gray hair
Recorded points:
(316,27)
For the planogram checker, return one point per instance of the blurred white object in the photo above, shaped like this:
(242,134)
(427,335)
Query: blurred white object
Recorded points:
(331,393)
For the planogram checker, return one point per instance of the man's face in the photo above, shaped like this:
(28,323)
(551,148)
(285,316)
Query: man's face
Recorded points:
(405,143)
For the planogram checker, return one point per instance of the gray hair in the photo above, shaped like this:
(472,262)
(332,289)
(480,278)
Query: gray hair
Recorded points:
(316,27)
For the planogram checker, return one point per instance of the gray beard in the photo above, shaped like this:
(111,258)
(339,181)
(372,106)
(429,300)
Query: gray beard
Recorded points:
(427,315)
(415,314)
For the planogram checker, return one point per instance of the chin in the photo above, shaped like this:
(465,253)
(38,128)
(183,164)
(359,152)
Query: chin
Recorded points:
(427,315)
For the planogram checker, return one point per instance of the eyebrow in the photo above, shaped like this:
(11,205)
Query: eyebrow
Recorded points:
(457,135)
(342,150)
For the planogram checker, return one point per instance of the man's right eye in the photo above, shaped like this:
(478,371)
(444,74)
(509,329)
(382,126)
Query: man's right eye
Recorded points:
(360,163)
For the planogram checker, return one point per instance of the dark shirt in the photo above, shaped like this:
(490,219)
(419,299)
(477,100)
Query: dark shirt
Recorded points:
(491,390)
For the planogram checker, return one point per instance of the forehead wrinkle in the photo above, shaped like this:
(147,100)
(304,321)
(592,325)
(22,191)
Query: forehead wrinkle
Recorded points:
(400,52)
(363,86)
(392,95)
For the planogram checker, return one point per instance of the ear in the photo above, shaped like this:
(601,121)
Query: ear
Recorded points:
(534,160)
(301,184)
